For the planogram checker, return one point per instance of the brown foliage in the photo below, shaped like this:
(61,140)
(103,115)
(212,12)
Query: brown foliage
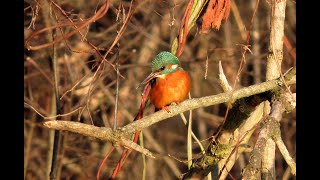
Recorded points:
(216,11)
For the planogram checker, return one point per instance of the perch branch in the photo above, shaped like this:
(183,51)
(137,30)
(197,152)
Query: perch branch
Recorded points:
(122,134)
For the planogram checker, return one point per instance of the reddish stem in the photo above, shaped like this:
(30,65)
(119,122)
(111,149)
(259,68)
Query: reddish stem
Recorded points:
(184,26)
(103,161)
(126,152)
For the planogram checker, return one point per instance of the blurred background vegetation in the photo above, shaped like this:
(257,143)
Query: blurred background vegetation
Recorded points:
(151,30)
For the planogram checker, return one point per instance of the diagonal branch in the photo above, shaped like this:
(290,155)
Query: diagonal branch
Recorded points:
(121,135)
(285,153)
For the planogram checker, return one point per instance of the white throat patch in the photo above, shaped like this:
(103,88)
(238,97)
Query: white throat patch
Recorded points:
(162,76)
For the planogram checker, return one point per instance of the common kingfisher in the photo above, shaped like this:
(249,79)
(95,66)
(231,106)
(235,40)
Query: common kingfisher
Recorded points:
(169,82)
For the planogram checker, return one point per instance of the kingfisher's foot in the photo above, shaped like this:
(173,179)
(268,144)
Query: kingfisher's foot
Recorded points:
(176,103)
(166,108)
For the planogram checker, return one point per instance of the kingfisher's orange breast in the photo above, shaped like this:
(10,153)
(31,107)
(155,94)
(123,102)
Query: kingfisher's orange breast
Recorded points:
(173,87)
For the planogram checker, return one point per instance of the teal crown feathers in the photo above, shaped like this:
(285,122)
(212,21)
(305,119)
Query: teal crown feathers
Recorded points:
(162,59)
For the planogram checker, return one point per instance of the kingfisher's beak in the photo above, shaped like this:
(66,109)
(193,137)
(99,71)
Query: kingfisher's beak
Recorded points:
(149,78)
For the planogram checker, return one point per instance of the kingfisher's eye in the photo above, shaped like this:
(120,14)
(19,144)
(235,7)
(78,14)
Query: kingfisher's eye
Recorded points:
(162,68)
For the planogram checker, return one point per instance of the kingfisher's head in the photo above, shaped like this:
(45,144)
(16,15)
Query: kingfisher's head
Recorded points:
(164,59)
(164,63)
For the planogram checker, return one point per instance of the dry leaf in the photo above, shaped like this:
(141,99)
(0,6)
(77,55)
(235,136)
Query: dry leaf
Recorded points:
(216,11)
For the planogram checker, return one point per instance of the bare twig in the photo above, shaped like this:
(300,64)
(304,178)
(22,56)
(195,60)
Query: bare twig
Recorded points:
(29,143)
(189,141)
(57,135)
(192,133)
(31,61)
(118,19)
(207,63)
(238,19)
(285,153)
(144,171)
(122,29)
(257,62)
(223,80)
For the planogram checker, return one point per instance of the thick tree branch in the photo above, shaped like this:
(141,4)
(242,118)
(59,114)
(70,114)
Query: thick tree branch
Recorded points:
(275,56)
(117,138)
(253,170)
(240,137)
(273,71)
(222,152)
(122,135)
(270,131)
